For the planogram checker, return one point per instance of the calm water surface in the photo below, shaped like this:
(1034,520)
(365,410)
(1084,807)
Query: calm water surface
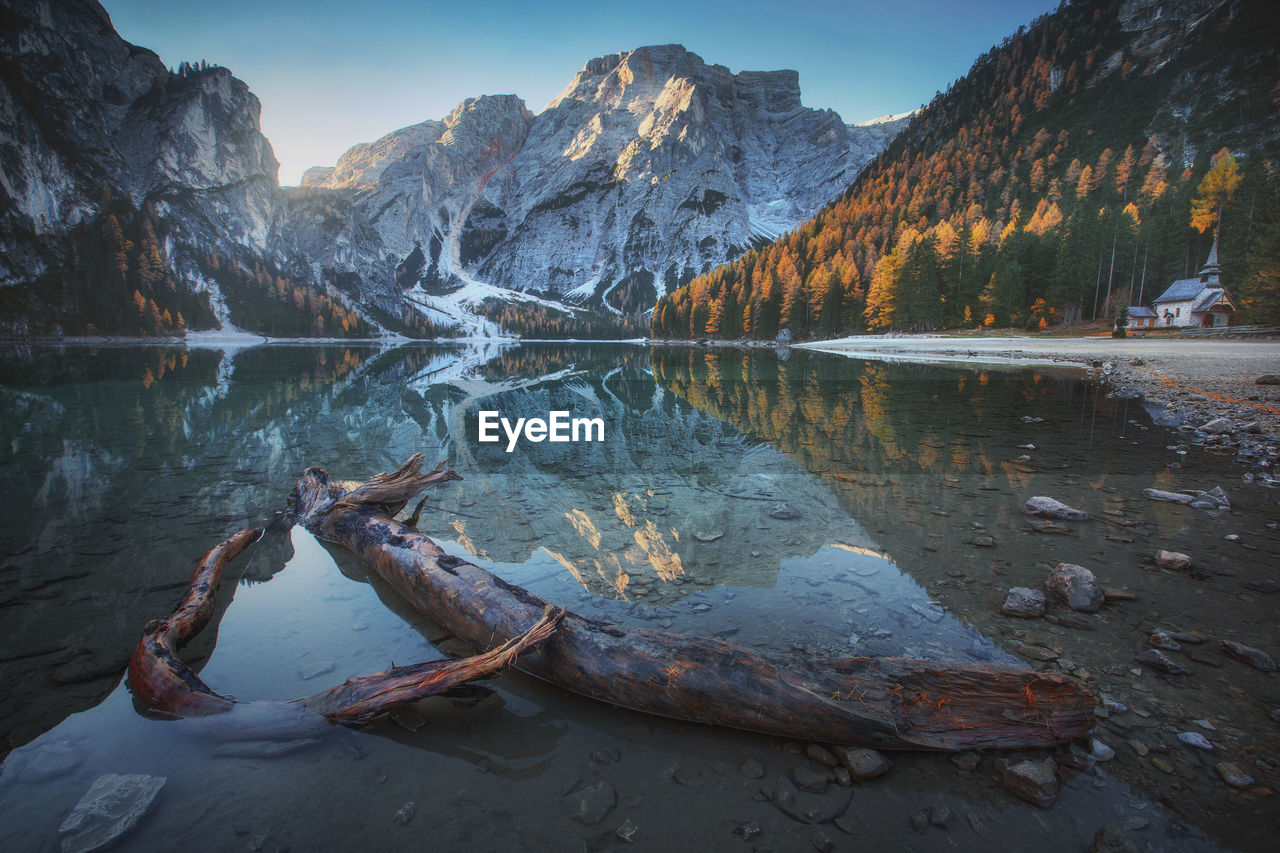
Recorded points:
(809,503)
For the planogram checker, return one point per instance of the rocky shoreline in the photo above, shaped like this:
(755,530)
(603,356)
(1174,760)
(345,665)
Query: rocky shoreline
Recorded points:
(1225,394)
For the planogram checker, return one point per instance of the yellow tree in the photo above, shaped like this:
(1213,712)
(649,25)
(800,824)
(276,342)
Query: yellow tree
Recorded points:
(1214,191)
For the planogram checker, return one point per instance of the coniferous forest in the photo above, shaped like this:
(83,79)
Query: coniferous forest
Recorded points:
(1072,172)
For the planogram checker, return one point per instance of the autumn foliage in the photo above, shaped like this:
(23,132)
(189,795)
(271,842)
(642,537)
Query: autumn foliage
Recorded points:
(1043,187)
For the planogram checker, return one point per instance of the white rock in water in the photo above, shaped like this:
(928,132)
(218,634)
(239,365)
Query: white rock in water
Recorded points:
(112,807)
(1046,507)
(1173,560)
(1171,497)
(1195,739)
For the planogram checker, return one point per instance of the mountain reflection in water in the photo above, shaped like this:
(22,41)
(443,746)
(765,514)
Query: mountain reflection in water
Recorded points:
(815,504)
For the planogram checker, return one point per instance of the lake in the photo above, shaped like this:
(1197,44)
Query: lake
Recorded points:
(788,502)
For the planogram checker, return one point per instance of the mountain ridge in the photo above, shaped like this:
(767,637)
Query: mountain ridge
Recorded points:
(1053,182)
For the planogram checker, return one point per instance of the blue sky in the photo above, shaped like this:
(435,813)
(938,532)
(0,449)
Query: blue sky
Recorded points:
(331,74)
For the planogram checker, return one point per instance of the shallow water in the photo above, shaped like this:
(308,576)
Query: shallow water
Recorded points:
(124,465)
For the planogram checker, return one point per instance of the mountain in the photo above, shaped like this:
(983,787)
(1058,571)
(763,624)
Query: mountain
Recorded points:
(138,199)
(143,200)
(1055,181)
(650,167)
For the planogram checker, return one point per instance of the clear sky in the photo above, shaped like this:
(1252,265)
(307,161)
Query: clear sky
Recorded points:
(331,73)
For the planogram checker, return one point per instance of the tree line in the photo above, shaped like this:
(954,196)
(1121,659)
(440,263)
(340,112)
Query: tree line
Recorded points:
(1034,191)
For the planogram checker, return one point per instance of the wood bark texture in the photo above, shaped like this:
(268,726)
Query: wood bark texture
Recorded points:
(892,703)
(163,684)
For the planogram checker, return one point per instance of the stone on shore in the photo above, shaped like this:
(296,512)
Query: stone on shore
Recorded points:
(1218,426)
(111,807)
(1076,587)
(1034,781)
(1046,507)
(1023,602)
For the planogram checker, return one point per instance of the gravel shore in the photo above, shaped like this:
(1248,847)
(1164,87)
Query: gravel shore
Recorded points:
(1198,381)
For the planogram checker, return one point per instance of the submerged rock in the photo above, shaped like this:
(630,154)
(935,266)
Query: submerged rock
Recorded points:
(1034,781)
(1169,497)
(591,804)
(1234,775)
(1214,499)
(1075,586)
(821,754)
(627,832)
(783,512)
(1256,658)
(47,761)
(1158,660)
(1162,640)
(863,764)
(111,807)
(808,778)
(406,813)
(1196,740)
(1173,560)
(1045,507)
(1111,839)
(1023,602)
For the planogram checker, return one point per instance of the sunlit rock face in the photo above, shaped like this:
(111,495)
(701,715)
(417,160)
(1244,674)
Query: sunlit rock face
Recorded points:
(388,211)
(648,168)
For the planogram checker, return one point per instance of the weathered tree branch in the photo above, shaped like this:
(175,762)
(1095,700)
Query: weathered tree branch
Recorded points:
(885,702)
(163,684)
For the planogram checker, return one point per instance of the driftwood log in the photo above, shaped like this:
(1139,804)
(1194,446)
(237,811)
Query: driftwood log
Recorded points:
(890,703)
(162,684)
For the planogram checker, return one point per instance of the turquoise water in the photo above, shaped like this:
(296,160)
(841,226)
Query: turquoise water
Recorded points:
(809,504)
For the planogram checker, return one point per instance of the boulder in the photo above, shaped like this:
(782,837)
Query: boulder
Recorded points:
(1076,587)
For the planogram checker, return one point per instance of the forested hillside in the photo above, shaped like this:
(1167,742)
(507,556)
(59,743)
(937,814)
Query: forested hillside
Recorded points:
(1079,167)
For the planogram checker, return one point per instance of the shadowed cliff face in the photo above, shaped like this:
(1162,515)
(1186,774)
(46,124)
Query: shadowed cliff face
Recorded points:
(89,116)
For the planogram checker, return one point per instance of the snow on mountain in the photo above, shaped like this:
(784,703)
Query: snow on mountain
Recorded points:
(651,166)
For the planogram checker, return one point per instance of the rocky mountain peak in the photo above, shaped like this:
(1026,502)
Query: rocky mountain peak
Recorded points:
(479,122)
